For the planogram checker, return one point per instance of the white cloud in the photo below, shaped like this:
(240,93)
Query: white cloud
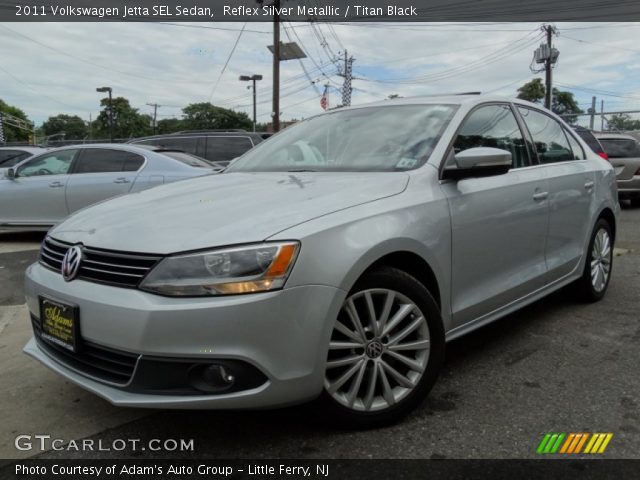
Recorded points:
(55,67)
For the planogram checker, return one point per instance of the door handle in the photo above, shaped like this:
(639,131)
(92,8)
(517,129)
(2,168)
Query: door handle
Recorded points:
(540,196)
(121,180)
(56,184)
(589,185)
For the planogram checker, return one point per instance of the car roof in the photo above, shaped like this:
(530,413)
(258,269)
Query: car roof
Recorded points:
(30,149)
(450,99)
(204,133)
(613,136)
(114,146)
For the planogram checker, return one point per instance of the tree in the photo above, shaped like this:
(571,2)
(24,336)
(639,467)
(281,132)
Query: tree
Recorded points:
(170,125)
(204,116)
(127,122)
(11,133)
(532,91)
(622,122)
(73,126)
(563,103)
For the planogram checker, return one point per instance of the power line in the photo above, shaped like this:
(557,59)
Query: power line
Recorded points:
(482,62)
(227,62)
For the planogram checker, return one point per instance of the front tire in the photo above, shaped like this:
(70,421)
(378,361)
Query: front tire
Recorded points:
(385,352)
(593,284)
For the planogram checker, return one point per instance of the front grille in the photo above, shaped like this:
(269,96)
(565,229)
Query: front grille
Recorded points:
(104,364)
(100,266)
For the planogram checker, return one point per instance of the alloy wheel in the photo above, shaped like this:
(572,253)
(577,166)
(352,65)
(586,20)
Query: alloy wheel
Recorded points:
(378,352)
(601,256)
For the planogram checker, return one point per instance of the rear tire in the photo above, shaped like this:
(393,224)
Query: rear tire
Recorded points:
(593,284)
(386,350)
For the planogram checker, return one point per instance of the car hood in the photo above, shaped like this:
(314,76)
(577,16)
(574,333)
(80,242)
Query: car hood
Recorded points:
(222,209)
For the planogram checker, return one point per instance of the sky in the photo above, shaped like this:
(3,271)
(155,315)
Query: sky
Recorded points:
(52,68)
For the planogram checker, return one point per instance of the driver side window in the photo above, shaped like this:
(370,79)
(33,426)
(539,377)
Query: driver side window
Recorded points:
(55,163)
(493,126)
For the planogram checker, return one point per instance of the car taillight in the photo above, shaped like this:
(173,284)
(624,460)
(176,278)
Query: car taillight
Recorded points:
(604,155)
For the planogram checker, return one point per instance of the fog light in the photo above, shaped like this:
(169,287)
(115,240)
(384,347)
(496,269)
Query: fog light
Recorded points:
(211,378)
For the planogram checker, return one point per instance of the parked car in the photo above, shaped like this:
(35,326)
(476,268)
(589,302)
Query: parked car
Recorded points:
(624,154)
(590,139)
(10,156)
(42,190)
(217,146)
(334,260)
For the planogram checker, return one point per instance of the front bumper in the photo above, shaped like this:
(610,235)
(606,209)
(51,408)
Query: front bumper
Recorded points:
(283,334)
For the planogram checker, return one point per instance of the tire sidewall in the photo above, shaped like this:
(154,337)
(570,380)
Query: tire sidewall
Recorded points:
(399,281)
(588,284)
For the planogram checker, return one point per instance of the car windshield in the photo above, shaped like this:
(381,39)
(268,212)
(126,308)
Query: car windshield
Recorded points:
(385,138)
(187,158)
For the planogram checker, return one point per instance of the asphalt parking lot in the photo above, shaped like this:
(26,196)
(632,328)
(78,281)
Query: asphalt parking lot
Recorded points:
(556,366)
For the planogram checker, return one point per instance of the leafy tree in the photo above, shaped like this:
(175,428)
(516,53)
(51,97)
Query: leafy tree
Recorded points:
(170,125)
(127,122)
(11,133)
(562,103)
(532,91)
(73,126)
(203,116)
(622,122)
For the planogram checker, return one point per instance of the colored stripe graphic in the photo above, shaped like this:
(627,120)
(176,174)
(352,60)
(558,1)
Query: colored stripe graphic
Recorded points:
(573,443)
(598,443)
(550,443)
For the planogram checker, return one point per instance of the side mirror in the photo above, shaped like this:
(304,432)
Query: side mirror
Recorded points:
(10,173)
(479,162)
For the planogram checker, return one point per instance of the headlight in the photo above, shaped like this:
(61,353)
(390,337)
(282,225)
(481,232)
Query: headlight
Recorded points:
(228,271)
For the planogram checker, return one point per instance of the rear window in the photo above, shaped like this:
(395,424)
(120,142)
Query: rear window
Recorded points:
(620,147)
(225,149)
(590,140)
(186,144)
(8,158)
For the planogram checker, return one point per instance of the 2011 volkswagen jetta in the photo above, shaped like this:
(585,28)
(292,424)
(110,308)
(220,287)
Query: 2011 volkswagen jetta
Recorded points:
(333,260)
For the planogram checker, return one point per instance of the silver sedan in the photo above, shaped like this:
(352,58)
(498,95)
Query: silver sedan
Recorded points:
(334,260)
(624,155)
(44,189)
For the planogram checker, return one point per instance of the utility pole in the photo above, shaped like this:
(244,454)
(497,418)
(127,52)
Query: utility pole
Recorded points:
(276,67)
(592,112)
(155,115)
(348,76)
(601,115)
(252,78)
(548,65)
(103,90)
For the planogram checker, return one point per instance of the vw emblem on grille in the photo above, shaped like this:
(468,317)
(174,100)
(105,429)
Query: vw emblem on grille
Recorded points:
(374,349)
(71,263)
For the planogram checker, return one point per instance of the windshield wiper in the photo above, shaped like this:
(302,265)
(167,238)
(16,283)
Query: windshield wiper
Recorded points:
(301,170)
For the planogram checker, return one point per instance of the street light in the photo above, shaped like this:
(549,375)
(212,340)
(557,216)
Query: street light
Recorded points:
(102,90)
(252,78)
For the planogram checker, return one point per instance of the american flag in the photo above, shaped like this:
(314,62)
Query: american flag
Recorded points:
(1,130)
(324,100)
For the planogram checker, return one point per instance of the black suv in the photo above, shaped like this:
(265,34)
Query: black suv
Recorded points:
(217,146)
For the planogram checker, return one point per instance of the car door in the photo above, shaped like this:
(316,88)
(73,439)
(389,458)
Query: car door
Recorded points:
(36,195)
(498,223)
(571,190)
(101,173)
